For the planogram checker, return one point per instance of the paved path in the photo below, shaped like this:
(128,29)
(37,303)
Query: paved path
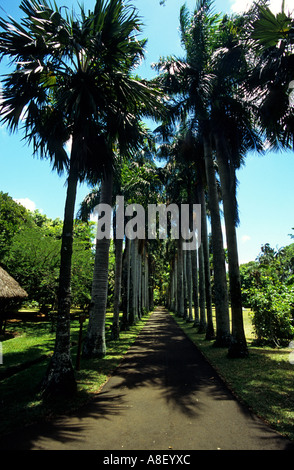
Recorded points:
(163,396)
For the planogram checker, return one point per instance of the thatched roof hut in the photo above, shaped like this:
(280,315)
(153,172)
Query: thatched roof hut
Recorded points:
(10,288)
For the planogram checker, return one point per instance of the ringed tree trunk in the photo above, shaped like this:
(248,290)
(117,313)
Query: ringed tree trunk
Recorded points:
(195,286)
(204,241)
(202,323)
(190,286)
(126,283)
(59,379)
(185,284)
(95,344)
(238,346)
(117,287)
(180,281)
(134,282)
(146,287)
(221,291)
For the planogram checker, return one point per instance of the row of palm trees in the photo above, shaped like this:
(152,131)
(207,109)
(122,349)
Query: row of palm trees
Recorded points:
(221,92)
(73,79)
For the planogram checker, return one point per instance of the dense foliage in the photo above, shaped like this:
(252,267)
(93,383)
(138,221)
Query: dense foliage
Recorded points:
(30,247)
(268,288)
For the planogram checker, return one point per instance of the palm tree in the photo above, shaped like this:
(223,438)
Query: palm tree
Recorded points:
(271,39)
(190,82)
(70,79)
(208,85)
(234,135)
(133,180)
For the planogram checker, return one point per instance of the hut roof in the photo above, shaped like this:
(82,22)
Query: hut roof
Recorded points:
(9,287)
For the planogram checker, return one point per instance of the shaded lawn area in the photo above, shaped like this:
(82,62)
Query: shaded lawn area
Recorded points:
(20,403)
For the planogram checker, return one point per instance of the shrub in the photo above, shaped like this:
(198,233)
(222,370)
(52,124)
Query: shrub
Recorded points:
(273,309)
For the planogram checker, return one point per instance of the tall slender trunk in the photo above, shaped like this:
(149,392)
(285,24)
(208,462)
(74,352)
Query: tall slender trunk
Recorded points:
(126,283)
(59,379)
(204,242)
(151,283)
(238,346)
(134,282)
(176,283)
(185,284)
(143,280)
(189,285)
(117,287)
(195,286)
(220,281)
(202,323)
(147,279)
(95,344)
(180,306)
(139,284)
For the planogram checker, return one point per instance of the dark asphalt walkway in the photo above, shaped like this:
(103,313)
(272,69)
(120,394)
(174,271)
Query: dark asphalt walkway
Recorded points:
(163,396)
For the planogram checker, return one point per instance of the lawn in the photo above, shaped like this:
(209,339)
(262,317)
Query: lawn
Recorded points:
(264,381)
(25,357)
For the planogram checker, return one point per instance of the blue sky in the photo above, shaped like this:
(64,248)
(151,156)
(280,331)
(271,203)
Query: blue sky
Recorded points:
(265,193)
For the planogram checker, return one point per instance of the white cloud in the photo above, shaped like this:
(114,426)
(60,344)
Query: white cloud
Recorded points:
(238,6)
(27,203)
(245,238)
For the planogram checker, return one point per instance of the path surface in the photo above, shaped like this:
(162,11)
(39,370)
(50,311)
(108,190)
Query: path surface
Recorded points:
(164,395)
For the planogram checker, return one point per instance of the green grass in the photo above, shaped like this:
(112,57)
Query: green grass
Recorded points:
(264,381)
(20,403)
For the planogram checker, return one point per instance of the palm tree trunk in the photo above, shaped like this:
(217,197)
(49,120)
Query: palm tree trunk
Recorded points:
(134,282)
(59,378)
(139,281)
(95,344)
(147,280)
(202,323)
(195,287)
(117,287)
(175,283)
(126,284)
(220,281)
(151,283)
(204,242)
(180,306)
(189,285)
(238,347)
(185,284)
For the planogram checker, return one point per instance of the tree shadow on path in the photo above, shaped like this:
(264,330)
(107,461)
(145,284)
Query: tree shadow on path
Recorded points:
(163,375)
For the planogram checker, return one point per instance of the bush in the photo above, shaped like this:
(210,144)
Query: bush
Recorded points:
(273,309)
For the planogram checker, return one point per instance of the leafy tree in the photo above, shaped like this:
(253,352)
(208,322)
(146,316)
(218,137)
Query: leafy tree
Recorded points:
(33,260)
(82,264)
(13,216)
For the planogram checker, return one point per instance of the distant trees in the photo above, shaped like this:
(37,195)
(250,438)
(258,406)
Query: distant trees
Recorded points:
(31,254)
(12,217)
